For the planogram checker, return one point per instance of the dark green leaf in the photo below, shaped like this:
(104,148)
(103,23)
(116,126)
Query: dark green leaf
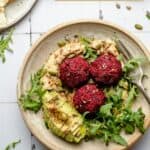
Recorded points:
(32,99)
(46,125)
(119,139)
(15,143)
(106,109)
(139,120)
(31,105)
(132,64)
(12,145)
(4,44)
(90,54)
(129,128)
(131,96)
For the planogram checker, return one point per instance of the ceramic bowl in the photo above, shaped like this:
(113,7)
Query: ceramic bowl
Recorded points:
(16,10)
(39,52)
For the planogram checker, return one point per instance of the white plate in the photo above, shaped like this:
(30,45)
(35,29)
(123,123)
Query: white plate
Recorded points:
(16,11)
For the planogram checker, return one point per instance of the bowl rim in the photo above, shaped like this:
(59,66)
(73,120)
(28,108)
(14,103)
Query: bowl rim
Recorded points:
(59,27)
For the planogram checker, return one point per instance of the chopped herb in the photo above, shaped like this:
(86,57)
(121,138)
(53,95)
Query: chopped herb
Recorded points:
(86,41)
(12,145)
(4,44)
(118,6)
(32,100)
(132,64)
(148,14)
(120,57)
(138,26)
(89,53)
(46,125)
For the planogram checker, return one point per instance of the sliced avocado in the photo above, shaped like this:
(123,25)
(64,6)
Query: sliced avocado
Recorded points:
(62,118)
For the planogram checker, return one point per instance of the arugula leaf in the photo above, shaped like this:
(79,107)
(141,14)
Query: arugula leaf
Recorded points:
(129,128)
(106,137)
(12,145)
(139,120)
(94,127)
(116,115)
(15,143)
(32,100)
(4,44)
(119,139)
(132,95)
(106,109)
(134,119)
(132,64)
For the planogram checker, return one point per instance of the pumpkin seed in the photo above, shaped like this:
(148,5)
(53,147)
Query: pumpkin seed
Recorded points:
(138,26)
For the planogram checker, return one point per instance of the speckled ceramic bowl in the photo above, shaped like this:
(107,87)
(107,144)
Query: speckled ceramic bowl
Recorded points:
(16,10)
(47,44)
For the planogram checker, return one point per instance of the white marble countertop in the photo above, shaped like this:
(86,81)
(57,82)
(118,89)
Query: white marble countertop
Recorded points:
(46,14)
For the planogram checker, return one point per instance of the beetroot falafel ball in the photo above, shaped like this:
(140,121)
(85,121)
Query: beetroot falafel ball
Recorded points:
(88,98)
(74,71)
(106,69)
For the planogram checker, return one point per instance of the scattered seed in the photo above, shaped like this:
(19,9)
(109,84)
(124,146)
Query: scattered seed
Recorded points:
(138,26)
(118,6)
(148,14)
(128,7)
(61,43)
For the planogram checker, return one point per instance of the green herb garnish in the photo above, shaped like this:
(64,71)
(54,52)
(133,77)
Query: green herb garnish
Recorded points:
(131,96)
(116,115)
(89,53)
(106,109)
(4,45)
(132,64)
(84,40)
(32,100)
(119,139)
(12,145)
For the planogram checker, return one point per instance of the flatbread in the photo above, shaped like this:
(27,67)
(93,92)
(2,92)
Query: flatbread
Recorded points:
(2,17)
(3,4)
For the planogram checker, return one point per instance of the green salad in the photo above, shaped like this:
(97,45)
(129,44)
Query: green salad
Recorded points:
(59,92)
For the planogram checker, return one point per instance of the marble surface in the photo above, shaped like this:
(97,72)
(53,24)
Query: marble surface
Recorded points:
(46,14)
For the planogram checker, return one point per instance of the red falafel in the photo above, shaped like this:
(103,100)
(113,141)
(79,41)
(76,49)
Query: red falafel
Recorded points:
(88,98)
(74,71)
(106,69)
